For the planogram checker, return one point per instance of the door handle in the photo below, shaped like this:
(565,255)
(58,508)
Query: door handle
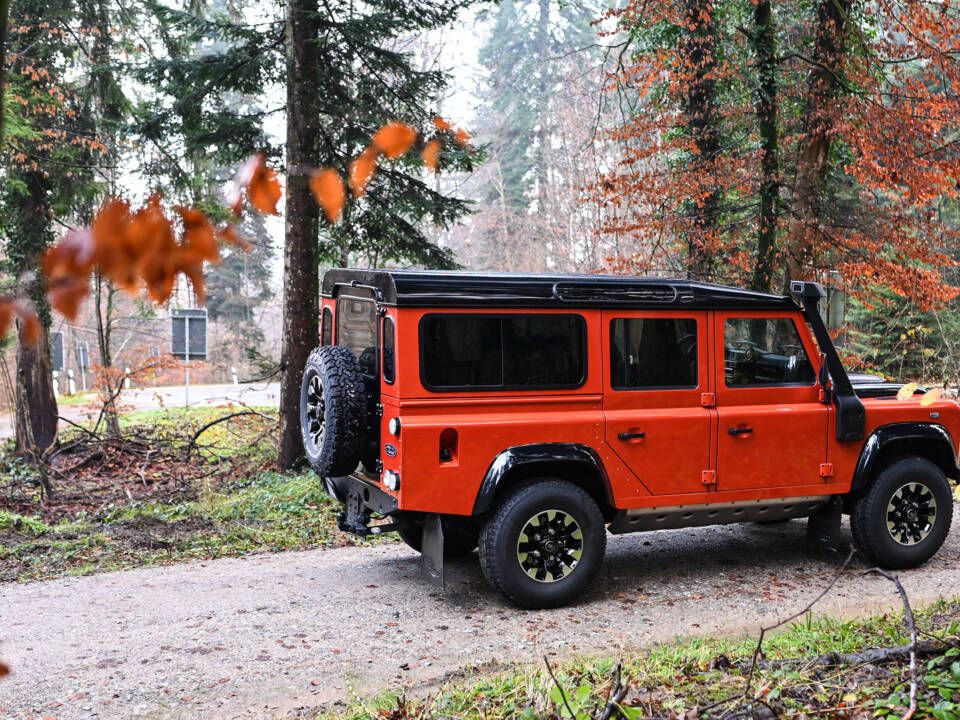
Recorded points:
(740,431)
(631,436)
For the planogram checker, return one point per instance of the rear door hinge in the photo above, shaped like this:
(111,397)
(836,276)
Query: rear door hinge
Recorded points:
(708,477)
(708,400)
(826,470)
(379,409)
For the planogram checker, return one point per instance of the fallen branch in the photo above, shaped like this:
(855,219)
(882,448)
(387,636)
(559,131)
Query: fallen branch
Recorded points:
(563,694)
(912,626)
(193,441)
(616,695)
(765,630)
(872,656)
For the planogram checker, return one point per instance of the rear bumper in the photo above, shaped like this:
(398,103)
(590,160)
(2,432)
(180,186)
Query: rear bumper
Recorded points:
(361,498)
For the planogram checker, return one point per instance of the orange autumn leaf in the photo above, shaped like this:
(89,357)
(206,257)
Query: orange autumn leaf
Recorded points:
(263,188)
(113,253)
(931,396)
(29,323)
(4,670)
(462,136)
(73,255)
(431,154)
(327,187)
(235,200)
(198,235)
(441,124)
(228,234)
(159,276)
(394,139)
(66,293)
(6,316)
(362,170)
(192,267)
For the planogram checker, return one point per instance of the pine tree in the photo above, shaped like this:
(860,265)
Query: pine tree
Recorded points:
(535,51)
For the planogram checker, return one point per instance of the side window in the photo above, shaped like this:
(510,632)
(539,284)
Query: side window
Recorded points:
(357,330)
(764,351)
(484,352)
(389,369)
(653,353)
(326,327)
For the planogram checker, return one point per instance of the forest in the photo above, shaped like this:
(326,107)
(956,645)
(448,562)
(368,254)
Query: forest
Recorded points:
(729,142)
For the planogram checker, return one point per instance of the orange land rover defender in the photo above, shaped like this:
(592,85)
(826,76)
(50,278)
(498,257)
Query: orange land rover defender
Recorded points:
(527,415)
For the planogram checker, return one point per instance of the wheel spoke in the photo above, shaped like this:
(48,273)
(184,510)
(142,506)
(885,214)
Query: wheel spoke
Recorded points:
(549,546)
(911,513)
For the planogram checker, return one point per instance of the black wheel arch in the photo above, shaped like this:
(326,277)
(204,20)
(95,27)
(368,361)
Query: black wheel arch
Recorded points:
(574,462)
(895,440)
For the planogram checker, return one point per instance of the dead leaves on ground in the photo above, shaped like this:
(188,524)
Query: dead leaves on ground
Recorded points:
(146,248)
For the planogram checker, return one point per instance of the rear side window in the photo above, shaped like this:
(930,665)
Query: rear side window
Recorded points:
(764,351)
(649,353)
(483,352)
(326,327)
(357,330)
(389,354)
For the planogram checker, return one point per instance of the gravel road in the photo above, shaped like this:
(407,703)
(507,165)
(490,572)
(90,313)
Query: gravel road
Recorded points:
(262,636)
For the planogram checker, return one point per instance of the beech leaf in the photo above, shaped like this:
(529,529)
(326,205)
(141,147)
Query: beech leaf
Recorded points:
(431,154)
(931,396)
(29,323)
(906,392)
(327,187)
(395,139)
(362,170)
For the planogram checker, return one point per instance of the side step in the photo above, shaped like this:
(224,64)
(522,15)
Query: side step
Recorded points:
(681,516)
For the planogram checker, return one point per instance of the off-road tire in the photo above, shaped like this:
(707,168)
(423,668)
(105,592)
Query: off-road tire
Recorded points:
(457,541)
(500,538)
(868,520)
(335,452)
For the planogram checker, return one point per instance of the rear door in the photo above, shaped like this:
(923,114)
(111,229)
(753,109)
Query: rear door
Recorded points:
(656,371)
(772,426)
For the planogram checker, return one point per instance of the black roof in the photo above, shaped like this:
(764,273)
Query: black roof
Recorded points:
(437,288)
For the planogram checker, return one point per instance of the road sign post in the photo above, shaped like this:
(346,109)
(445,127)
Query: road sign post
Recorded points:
(189,340)
(83,362)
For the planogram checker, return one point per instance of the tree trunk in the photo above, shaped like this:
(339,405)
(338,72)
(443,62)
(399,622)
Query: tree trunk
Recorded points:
(301,282)
(819,119)
(36,418)
(699,50)
(4,13)
(764,47)
(543,110)
(108,382)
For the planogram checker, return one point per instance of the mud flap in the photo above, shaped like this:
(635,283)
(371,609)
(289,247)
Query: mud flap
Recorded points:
(431,551)
(823,527)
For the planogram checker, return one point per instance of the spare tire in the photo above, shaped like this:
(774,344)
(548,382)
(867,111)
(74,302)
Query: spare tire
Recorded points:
(333,411)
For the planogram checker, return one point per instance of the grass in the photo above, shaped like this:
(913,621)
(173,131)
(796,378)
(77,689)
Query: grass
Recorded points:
(79,398)
(674,678)
(131,510)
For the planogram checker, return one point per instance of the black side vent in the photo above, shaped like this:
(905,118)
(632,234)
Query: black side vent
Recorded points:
(645,293)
